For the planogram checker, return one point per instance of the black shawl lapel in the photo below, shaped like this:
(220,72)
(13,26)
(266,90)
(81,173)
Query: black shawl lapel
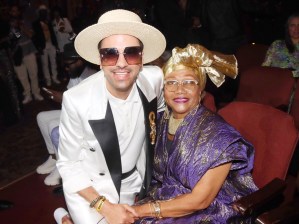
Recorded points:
(105,132)
(148,107)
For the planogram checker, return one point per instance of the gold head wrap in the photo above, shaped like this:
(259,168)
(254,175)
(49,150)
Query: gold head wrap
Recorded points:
(202,61)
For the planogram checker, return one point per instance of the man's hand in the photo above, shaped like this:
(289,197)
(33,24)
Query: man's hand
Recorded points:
(196,24)
(118,213)
(54,95)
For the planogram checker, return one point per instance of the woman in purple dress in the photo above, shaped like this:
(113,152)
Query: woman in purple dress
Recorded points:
(201,163)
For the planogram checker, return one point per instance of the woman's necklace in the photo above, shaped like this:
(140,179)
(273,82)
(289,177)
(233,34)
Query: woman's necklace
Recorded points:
(173,124)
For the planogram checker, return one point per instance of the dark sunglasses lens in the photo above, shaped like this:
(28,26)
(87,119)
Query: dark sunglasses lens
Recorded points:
(133,55)
(108,56)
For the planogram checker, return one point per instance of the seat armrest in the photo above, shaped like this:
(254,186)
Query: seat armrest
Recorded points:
(283,108)
(251,203)
(288,213)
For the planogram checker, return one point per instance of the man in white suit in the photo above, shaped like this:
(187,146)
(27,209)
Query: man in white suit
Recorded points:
(108,121)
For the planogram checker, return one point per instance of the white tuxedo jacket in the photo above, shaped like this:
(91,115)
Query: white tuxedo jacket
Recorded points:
(84,144)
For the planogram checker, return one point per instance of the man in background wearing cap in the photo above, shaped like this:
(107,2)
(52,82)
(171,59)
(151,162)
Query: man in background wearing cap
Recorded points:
(108,121)
(78,70)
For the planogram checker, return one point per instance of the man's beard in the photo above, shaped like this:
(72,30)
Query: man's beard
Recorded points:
(76,72)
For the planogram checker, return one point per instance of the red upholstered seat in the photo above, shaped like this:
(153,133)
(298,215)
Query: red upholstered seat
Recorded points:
(208,101)
(295,107)
(266,85)
(250,55)
(271,131)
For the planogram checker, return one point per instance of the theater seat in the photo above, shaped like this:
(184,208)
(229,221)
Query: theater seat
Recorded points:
(208,101)
(266,85)
(274,136)
(250,55)
(294,110)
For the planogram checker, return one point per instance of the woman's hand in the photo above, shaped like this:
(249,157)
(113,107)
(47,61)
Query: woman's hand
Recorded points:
(118,213)
(201,196)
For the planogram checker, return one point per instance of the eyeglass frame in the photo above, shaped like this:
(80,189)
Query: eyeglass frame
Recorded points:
(180,83)
(138,59)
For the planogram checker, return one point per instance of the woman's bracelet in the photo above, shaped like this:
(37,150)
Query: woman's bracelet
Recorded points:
(157,209)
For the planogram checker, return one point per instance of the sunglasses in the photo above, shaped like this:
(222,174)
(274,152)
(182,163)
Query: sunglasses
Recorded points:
(109,56)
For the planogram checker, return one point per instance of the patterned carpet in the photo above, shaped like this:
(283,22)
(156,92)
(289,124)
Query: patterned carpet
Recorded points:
(22,147)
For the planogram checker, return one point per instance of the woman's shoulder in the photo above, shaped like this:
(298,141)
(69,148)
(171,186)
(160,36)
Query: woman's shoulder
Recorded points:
(217,123)
(278,43)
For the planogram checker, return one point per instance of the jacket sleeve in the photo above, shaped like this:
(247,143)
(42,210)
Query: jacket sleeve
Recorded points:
(71,150)
(269,54)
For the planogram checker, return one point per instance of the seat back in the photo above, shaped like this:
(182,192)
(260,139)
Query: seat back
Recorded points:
(250,55)
(272,133)
(295,107)
(266,85)
(208,101)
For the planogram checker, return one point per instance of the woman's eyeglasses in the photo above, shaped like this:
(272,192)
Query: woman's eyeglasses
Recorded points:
(172,85)
(109,56)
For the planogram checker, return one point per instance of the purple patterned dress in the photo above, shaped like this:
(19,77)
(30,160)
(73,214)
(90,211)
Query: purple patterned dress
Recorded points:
(202,141)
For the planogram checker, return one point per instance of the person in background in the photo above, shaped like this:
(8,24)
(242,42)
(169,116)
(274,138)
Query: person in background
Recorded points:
(185,15)
(107,126)
(62,28)
(285,53)
(64,33)
(25,63)
(78,70)
(45,41)
(201,163)
(222,20)
(10,104)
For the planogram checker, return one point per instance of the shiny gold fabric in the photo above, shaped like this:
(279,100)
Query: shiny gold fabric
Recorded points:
(202,61)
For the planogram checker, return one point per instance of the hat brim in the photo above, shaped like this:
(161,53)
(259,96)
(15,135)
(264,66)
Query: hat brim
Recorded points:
(86,42)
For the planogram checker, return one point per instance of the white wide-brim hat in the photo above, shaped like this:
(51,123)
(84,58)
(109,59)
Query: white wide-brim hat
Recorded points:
(119,21)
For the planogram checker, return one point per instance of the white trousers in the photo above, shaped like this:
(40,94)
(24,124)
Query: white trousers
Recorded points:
(47,120)
(49,53)
(29,65)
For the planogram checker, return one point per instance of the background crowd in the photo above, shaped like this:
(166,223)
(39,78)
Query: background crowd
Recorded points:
(216,24)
